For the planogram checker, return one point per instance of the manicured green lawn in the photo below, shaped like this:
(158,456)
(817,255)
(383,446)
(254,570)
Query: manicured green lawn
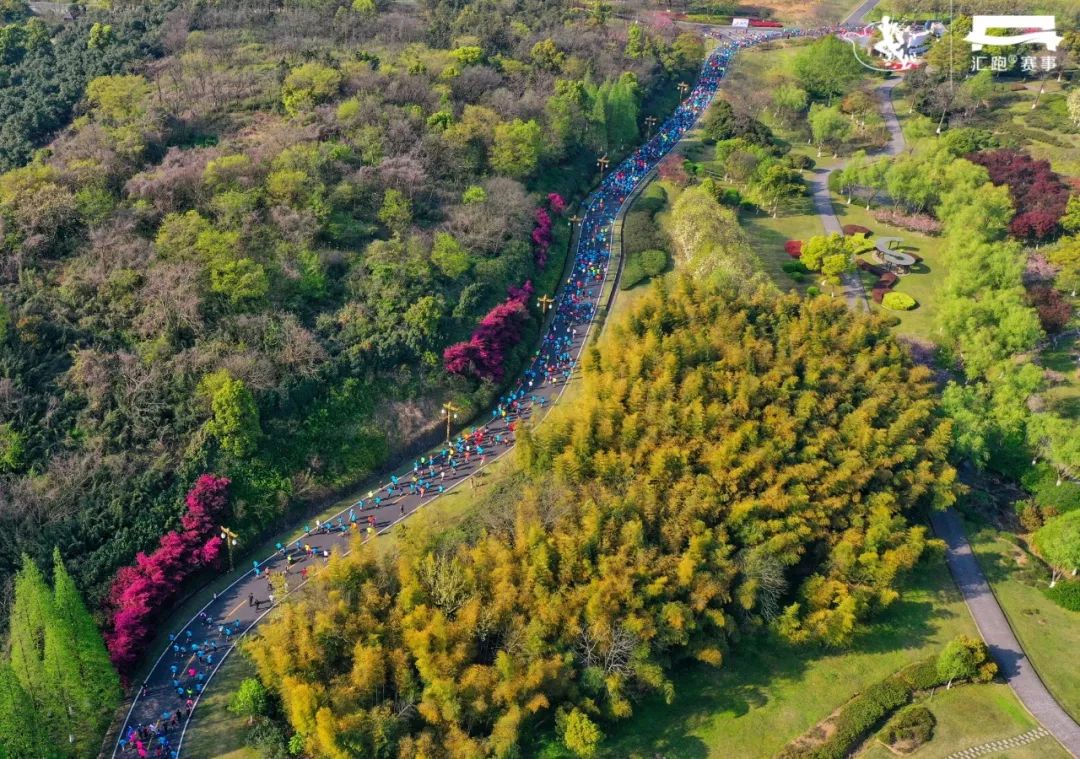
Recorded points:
(768,692)
(1049,634)
(768,235)
(921,283)
(970,715)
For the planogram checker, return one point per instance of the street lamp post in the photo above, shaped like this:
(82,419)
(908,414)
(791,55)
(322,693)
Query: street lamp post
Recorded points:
(545,302)
(683,88)
(603,162)
(650,122)
(449,410)
(231,540)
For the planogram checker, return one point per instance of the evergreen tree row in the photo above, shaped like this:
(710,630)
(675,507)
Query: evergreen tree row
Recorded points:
(58,690)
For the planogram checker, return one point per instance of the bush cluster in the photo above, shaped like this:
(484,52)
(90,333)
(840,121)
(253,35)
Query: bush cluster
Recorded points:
(913,222)
(640,266)
(855,720)
(897,301)
(911,727)
(1042,482)
(1066,594)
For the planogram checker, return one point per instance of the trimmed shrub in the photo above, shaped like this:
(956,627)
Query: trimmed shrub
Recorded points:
(730,197)
(909,728)
(813,291)
(923,675)
(793,248)
(800,161)
(631,274)
(790,267)
(798,276)
(653,262)
(860,714)
(896,301)
(1066,594)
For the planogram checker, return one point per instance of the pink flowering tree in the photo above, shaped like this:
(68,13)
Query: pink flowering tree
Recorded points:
(541,237)
(484,354)
(541,234)
(141,591)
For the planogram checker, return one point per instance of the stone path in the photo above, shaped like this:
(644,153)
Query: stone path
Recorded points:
(1002,745)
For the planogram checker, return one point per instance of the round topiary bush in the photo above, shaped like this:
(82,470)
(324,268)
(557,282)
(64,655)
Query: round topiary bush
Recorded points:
(896,301)
(653,262)
(813,291)
(909,728)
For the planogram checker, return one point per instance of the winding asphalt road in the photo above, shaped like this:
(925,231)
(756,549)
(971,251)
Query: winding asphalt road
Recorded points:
(178,676)
(306,550)
(994,627)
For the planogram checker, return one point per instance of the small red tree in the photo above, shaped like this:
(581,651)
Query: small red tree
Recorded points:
(1054,310)
(1038,194)
(140,592)
(1033,226)
(484,354)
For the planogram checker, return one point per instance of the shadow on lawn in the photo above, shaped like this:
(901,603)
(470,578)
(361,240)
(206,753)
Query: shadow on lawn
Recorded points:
(744,681)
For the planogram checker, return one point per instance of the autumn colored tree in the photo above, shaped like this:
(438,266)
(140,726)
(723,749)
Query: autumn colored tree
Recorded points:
(1038,193)
(719,472)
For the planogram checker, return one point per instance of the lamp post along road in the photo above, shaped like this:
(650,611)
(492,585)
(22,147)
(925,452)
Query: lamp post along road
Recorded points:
(231,539)
(449,410)
(545,302)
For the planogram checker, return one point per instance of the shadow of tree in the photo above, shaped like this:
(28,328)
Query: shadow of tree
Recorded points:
(754,667)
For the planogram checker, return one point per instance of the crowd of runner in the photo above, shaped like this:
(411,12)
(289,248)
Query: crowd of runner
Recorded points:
(198,649)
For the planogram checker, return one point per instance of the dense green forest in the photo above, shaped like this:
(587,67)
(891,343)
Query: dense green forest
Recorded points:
(732,462)
(263,224)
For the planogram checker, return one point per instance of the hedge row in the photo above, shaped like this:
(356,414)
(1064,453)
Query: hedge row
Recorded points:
(861,714)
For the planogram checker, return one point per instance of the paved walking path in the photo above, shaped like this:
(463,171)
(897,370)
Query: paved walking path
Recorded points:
(853,289)
(998,634)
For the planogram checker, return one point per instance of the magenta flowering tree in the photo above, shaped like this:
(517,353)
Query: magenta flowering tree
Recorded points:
(141,591)
(541,237)
(541,234)
(484,354)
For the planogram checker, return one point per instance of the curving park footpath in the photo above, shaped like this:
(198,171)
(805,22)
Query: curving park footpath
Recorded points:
(162,708)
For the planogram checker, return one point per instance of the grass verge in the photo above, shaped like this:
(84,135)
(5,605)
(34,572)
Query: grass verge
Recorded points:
(769,692)
(1049,634)
(971,715)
